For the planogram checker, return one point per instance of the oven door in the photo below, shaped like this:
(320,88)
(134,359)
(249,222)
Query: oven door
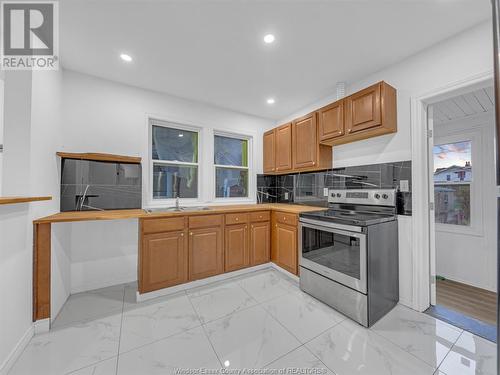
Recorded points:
(339,254)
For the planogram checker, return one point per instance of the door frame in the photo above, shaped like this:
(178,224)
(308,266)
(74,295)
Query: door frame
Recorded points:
(421,199)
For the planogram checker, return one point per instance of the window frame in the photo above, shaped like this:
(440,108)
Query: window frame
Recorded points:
(249,168)
(475,228)
(152,202)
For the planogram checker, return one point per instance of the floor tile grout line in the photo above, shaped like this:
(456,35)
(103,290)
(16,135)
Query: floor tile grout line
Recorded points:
(204,331)
(399,347)
(121,328)
(449,351)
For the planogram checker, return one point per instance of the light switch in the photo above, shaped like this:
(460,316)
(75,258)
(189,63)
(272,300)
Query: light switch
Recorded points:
(404,186)
(325,192)
(286,195)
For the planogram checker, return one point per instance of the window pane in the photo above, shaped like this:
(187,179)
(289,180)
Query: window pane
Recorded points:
(230,151)
(452,162)
(231,183)
(168,180)
(174,145)
(452,204)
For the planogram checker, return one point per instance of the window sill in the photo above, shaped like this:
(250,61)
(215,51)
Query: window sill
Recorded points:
(459,230)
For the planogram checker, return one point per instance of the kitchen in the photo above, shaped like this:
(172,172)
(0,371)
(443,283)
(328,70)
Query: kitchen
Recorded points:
(82,114)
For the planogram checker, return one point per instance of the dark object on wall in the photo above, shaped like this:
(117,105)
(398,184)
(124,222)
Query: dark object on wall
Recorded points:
(88,185)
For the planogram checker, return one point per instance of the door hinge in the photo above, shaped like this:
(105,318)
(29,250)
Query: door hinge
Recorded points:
(429,133)
(431,206)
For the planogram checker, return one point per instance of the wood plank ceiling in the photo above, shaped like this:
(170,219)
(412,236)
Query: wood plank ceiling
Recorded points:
(462,106)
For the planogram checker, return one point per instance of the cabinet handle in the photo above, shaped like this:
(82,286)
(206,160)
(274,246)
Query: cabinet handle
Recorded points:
(276,225)
(237,219)
(260,217)
(190,233)
(314,163)
(284,218)
(182,234)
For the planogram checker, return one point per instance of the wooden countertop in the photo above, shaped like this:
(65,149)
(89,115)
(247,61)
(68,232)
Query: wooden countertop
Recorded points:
(141,214)
(13,200)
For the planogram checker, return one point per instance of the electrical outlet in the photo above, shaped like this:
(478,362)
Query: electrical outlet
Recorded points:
(404,186)
(325,192)
(286,195)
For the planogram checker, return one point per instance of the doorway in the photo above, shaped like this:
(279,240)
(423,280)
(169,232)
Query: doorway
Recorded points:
(462,219)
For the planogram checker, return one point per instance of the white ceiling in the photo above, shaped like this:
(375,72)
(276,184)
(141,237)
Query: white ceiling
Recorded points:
(472,103)
(212,51)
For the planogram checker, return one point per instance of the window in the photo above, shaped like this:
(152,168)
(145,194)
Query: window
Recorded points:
(452,183)
(231,167)
(174,154)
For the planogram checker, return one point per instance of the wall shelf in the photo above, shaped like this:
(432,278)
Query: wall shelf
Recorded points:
(13,200)
(100,157)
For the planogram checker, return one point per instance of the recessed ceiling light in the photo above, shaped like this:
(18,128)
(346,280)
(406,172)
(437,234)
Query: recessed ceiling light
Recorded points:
(270,101)
(269,38)
(126,57)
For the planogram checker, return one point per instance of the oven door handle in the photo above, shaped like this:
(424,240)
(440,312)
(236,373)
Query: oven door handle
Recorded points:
(331,228)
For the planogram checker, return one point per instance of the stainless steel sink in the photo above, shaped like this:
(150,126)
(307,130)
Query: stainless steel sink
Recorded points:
(177,209)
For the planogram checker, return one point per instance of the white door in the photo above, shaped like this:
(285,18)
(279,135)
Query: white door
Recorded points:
(432,226)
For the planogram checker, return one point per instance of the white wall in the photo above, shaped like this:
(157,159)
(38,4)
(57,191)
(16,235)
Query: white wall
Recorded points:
(461,256)
(103,116)
(31,127)
(464,55)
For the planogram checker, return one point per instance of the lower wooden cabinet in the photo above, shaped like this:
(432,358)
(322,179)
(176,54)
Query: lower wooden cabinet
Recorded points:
(205,252)
(236,254)
(284,247)
(260,243)
(163,260)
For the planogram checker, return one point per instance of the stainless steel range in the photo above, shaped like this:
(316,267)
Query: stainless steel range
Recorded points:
(349,253)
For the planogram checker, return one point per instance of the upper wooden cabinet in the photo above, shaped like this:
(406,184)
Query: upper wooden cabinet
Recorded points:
(367,113)
(331,121)
(305,142)
(302,145)
(283,141)
(269,146)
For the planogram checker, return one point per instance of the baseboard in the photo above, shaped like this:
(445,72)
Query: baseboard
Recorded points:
(41,326)
(284,271)
(17,351)
(193,284)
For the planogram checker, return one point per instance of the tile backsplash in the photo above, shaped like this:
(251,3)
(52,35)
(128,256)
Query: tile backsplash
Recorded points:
(308,188)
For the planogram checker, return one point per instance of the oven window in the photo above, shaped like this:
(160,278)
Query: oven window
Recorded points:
(335,251)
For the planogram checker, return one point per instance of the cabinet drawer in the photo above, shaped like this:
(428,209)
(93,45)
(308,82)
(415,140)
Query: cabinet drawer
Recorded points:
(286,218)
(205,221)
(260,216)
(162,225)
(236,218)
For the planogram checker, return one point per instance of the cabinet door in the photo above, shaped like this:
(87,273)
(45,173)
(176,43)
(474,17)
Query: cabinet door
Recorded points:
(363,109)
(205,253)
(305,138)
(236,247)
(163,260)
(269,151)
(260,242)
(331,121)
(285,247)
(284,148)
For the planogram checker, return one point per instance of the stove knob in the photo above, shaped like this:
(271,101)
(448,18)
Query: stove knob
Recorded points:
(339,195)
(385,196)
(377,196)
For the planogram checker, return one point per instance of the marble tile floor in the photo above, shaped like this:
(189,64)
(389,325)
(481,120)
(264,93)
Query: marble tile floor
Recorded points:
(257,321)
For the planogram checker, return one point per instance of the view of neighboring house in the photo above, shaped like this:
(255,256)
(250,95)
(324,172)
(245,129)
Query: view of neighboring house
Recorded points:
(452,194)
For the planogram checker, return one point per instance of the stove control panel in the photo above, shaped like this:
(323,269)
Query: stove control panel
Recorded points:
(379,197)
